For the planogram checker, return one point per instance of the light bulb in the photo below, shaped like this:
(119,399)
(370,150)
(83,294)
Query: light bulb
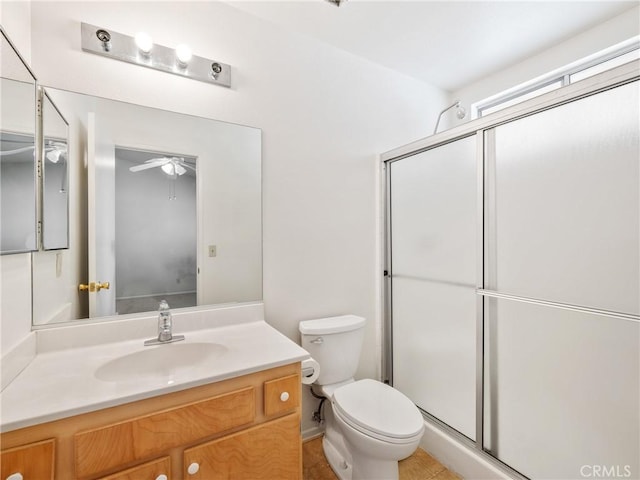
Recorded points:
(54,155)
(183,53)
(179,169)
(169,169)
(144,42)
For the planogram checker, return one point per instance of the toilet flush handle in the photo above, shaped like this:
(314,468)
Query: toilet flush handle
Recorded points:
(318,341)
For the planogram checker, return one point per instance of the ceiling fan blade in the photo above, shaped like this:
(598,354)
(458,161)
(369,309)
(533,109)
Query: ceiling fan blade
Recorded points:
(154,162)
(159,160)
(144,166)
(186,165)
(17,150)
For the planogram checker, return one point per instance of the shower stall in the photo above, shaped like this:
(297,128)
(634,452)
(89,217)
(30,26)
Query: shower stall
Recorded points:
(512,281)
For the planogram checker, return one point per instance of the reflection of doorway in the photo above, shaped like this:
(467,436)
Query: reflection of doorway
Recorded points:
(155,224)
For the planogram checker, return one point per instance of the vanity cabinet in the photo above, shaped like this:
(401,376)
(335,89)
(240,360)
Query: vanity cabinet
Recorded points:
(246,427)
(34,460)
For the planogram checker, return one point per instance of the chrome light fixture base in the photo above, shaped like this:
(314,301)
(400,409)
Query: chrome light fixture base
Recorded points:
(118,46)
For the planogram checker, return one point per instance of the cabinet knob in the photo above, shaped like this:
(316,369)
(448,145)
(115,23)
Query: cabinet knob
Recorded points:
(284,396)
(193,468)
(162,476)
(15,476)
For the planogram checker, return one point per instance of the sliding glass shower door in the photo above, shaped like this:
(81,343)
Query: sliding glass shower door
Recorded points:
(514,265)
(433,230)
(562,279)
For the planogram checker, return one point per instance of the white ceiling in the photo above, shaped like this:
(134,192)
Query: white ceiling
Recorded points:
(448,44)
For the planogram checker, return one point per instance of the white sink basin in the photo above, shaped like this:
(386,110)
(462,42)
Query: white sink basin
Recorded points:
(165,362)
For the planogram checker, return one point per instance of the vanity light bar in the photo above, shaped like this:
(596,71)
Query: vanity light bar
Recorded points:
(109,43)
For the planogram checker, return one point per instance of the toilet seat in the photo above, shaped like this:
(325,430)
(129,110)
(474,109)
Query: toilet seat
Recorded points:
(378,410)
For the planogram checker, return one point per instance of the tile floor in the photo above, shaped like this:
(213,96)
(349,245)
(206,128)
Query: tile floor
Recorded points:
(419,466)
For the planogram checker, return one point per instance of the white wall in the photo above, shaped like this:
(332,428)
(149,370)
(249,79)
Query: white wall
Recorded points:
(604,35)
(15,18)
(325,115)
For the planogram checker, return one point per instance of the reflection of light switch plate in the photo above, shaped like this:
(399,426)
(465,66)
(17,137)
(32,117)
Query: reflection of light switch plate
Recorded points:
(212,250)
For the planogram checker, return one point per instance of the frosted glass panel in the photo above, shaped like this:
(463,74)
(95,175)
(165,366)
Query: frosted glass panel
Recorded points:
(434,350)
(433,208)
(562,391)
(567,204)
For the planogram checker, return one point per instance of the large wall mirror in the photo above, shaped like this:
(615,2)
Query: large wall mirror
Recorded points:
(162,206)
(17,152)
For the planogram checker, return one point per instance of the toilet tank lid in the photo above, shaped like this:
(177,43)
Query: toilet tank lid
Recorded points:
(326,326)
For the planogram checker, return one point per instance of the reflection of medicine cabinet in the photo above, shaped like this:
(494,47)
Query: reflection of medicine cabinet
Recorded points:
(34,207)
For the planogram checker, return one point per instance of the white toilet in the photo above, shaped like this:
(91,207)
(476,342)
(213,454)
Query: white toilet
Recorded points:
(369,425)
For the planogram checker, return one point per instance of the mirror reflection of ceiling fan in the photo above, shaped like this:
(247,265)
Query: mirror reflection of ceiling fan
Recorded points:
(53,150)
(172,166)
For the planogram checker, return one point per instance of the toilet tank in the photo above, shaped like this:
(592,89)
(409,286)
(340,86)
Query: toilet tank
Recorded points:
(335,343)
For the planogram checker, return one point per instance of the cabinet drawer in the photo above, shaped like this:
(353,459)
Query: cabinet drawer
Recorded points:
(269,451)
(147,471)
(281,395)
(118,444)
(33,461)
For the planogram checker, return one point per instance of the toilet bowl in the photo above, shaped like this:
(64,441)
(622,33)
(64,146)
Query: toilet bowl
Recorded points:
(369,426)
(380,426)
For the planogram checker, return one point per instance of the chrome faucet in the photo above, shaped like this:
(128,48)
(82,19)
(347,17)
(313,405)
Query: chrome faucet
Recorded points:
(165,325)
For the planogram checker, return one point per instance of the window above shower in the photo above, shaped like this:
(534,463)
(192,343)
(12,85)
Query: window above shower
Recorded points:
(599,62)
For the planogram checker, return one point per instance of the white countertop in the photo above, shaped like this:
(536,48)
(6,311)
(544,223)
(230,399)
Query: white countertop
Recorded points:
(62,383)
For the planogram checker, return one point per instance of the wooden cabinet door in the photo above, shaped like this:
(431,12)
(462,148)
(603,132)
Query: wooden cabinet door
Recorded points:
(106,448)
(269,451)
(33,461)
(282,395)
(156,470)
